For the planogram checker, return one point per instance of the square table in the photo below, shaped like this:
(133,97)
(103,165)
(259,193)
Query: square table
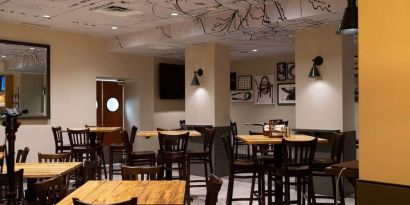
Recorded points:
(256,140)
(147,192)
(152,133)
(34,171)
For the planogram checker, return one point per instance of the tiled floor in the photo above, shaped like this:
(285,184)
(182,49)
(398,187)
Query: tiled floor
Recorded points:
(241,189)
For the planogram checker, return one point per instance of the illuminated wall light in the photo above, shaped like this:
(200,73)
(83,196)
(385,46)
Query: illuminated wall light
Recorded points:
(174,14)
(114,27)
(46,16)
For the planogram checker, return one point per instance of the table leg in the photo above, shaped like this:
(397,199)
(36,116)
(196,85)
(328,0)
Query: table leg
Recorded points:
(30,194)
(278,179)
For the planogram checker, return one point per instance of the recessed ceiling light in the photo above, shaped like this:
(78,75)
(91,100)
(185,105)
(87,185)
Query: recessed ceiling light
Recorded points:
(114,28)
(32,48)
(174,14)
(255,50)
(3,56)
(46,16)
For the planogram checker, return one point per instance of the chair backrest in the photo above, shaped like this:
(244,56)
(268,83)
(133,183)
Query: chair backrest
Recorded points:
(182,124)
(234,129)
(209,136)
(141,173)
(173,143)
(172,129)
(51,191)
(58,136)
(4,186)
(60,157)
(298,153)
(134,130)
(226,138)
(337,146)
(212,190)
(79,137)
(21,156)
(132,201)
(126,141)
(91,169)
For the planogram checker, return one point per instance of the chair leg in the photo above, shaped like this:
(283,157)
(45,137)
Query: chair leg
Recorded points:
(342,192)
(311,191)
(188,182)
(252,188)
(206,171)
(299,189)
(230,189)
(111,165)
(287,190)
(103,164)
(270,187)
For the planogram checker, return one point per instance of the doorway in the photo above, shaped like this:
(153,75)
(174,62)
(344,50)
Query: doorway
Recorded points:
(110,108)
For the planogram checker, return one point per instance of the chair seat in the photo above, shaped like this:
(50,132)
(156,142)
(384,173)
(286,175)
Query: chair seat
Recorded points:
(245,166)
(117,147)
(293,171)
(143,153)
(197,153)
(320,164)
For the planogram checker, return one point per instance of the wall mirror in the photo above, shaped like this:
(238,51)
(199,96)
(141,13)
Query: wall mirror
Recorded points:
(25,77)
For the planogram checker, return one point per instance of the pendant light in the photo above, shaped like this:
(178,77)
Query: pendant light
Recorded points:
(349,24)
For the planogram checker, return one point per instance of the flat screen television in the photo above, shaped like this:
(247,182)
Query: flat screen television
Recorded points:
(171,81)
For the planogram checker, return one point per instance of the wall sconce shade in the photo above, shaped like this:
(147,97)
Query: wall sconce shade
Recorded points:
(195,81)
(349,24)
(314,72)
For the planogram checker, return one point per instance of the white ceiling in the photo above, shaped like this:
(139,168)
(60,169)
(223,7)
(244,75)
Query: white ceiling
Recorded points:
(149,28)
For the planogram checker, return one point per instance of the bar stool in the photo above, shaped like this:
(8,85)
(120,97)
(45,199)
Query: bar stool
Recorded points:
(137,158)
(119,150)
(241,166)
(80,144)
(237,143)
(99,148)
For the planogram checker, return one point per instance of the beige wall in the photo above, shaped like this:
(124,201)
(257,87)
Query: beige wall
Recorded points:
(249,112)
(76,61)
(326,102)
(384,106)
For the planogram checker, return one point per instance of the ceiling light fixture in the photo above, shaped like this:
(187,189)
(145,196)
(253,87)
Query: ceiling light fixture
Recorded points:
(174,14)
(314,72)
(46,16)
(32,48)
(114,27)
(349,24)
(255,50)
(3,56)
(195,81)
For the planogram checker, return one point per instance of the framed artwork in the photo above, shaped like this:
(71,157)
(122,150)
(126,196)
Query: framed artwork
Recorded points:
(245,82)
(286,94)
(263,89)
(281,71)
(242,96)
(291,71)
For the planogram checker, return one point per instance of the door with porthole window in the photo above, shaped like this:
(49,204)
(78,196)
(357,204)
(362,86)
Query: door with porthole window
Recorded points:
(110,108)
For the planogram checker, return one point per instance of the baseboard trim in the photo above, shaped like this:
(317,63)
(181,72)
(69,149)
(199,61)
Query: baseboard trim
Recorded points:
(381,193)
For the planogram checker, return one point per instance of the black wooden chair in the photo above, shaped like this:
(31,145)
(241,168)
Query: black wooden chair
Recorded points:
(212,190)
(137,158)
(91,170)
(51,191)
(237,169)
(132,201)
(22,154)
(172,150)
(80,144)
(141,173)
(4,187)
(59,157)
(98,148)
(120,150)
(238,145)
(60,147)
(319,165)
(297,162)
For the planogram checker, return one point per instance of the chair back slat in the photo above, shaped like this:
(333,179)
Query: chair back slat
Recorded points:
(298,153)
(338,146)
(49,158)
(141,173)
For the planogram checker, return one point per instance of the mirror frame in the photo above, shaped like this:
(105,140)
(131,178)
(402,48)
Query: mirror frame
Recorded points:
(48,47)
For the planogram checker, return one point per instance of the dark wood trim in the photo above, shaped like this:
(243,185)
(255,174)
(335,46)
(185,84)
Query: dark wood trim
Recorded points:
(381,193)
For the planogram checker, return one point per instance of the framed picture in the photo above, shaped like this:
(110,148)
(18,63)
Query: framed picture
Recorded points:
(242,96)
(286,94)
(263,89)
(245,82)
(291,71)
(281,71)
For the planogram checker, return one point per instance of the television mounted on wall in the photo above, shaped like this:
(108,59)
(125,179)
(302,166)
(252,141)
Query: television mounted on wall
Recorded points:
(171,81)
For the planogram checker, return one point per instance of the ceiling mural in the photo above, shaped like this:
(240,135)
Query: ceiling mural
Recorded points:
(165,27)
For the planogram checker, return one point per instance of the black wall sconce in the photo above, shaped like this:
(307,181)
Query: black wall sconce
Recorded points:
(349,25)
(195,81)
(314,72)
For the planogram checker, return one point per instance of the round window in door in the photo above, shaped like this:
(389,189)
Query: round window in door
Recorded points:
(113,104)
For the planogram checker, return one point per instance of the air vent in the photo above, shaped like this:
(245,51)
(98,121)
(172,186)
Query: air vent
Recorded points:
(114,10)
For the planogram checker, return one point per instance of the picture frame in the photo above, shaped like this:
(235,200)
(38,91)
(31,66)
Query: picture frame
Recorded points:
(286,94)
(281,71)
(264,89)
(245,82)
(242,96)
(290,74)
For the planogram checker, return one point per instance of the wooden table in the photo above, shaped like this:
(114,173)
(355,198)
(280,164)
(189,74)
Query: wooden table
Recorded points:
(147,192)
(34,171)
(256,140)
(149,134)
(97,129)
